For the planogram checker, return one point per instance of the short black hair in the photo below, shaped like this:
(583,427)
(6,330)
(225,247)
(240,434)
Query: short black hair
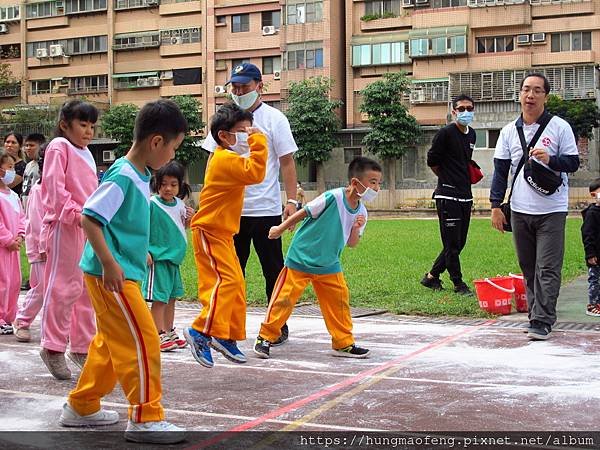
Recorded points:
(18,137)
(40,160)
(171,169)
(538,75)
(162,117)
(461,97)
(359,165)
(76,110)
(595,185)
(226,117)
(36,137)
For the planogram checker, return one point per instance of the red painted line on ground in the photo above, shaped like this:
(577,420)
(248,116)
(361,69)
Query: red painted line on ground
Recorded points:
(336,387)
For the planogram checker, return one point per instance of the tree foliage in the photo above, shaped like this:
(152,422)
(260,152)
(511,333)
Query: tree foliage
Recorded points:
(393,129)
(582,115)
(118,122)
(190,150)
(313,120)
(6,76)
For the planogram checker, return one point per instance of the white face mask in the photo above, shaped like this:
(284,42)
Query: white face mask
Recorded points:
(9,177)
(369,194)
(245,101)
(241,146)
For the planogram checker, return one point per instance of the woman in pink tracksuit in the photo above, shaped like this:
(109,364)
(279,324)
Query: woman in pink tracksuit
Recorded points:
(36,257)
(69,179)
(12,232)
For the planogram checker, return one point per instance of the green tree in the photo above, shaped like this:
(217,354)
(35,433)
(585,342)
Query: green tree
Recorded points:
(314,122)
(582,115)
(6,76)
(118,122)
(190,150)
(393,130)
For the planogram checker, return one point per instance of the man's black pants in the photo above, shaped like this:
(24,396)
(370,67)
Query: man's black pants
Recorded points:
(454,219)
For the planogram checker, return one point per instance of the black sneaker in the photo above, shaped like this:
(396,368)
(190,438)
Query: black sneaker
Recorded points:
(463,289)
(283,337)
(539,331)
(25,286)
(434,284)
(527,327)
(262,347)
(352,351)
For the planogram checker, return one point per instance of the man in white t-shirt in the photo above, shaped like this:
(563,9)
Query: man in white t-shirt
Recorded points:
(537,220)
(262,202)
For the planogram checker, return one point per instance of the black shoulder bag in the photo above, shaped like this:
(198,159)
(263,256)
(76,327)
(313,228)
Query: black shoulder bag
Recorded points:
(544,120)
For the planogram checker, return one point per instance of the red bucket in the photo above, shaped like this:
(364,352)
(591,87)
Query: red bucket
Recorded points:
(520,292)
(495,294)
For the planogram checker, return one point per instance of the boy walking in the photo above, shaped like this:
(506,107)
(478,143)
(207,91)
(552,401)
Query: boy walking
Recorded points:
(590,233)
(116,220)
(331,221)
(221,286)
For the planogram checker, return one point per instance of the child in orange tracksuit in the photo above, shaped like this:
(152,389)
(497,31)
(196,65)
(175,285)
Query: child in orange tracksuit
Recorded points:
(221,286)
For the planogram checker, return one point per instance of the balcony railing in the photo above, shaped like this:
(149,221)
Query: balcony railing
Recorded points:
(135,45)
(88,90)
(13,90)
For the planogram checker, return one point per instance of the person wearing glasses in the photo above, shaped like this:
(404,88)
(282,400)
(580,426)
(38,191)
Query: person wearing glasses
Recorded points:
(537,218)
(449,157)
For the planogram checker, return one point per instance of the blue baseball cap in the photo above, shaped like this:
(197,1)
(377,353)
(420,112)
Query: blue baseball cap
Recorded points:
(245,73)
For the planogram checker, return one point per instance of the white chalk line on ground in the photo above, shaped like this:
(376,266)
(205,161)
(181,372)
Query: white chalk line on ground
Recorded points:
(38,396)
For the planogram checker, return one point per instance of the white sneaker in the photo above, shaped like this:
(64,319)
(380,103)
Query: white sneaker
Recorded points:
(161,432)
(70,418)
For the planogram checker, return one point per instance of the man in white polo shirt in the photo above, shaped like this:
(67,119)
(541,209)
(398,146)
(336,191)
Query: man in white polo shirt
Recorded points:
(537,218)
(262,202)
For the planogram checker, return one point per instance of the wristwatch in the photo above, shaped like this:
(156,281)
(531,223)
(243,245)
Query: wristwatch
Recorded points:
(293,202)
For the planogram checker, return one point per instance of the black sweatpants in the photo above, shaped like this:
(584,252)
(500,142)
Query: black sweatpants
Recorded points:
(454,219)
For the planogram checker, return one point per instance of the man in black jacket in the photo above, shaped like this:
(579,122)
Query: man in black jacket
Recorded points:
(590,233)
(449,157)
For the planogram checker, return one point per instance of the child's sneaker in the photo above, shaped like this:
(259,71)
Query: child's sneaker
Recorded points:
(282,339)
(161,432)
(6,328)
(228,349)
(181,343)
(593,310)
(78,359)
(23,334)
(199,346)
(352,351)
(70,418)
(262,347)
(56,364)
(166,343)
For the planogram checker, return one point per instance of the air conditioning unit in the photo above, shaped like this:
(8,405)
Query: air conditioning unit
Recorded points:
(108,156)
(63,81)
(538,38)
(176,40)
(490,2)
(151,2)
(153,81)
(56,50)
(364,117)
(421,2)
(142,82)
(417,96)
(166,75)
(523,39)
(3,28)
(269,30)
(41,53)
(220,90)
(408,3)
(277,75)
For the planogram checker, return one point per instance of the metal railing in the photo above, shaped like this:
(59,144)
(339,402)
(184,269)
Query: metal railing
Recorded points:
(13,90)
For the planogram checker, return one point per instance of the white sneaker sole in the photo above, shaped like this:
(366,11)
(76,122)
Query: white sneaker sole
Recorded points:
(261,355)
(349,355)
(240,359)
(538,337)
(108,419)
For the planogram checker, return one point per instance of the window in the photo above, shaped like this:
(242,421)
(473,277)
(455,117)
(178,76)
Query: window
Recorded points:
(419,47)
(76,46)
(271,19)
(447,3)
(429,91)
(574,41)
(10,51)
(47,9)
(8,13)
(128,4)
(40,87)
(136,80)
(136,41)
(307,55)
(94,83)
(271,64)
(379,54)
(438,45)
(240,23)
(350,153)
(78,6)
(221,20)
(275,104)
(187,76)
(496,44)
(298,11)
(180,36)
(383,7)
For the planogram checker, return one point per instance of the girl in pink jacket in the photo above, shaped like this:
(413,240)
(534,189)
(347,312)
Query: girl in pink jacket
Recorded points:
(36,257)
(69,179)
(12,233)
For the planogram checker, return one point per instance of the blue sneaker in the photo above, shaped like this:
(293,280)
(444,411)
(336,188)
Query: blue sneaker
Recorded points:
(199,346)
(229,349)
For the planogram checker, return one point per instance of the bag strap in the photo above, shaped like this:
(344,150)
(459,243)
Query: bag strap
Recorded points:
(544,121)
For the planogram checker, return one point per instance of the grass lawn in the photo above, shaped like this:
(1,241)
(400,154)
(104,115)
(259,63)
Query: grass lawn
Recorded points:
(385,269)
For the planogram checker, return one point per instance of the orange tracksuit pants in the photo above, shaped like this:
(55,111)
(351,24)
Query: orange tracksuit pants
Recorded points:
(221,286)
(332,295)
(125,348)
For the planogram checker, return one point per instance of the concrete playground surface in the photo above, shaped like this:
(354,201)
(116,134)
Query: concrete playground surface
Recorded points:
(424,376)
